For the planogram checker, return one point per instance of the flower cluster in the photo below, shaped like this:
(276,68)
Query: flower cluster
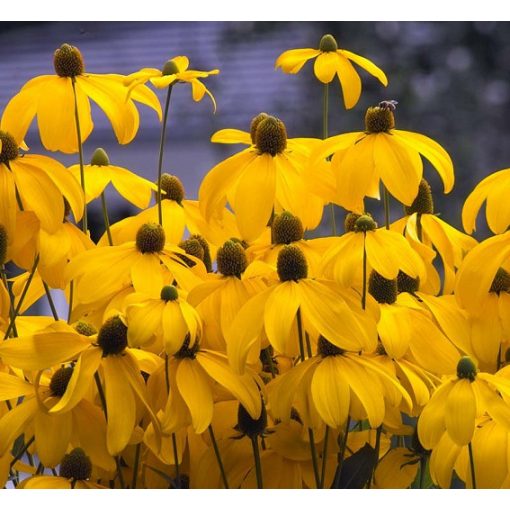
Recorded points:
(219,342)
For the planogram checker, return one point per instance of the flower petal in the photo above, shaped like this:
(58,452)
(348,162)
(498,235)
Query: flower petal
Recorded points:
(325,66)
(460,412)
(291,61)
(349,80)
(367,65)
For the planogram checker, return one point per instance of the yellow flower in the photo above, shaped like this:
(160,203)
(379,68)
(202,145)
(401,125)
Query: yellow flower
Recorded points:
(331,61)
(167,316)
(174,71)
(381,152)
(491,189)
(265,177)
(100,173)
(51,99)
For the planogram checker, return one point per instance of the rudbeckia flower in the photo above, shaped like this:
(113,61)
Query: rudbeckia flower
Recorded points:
(492,190)
(99,173)
(42,184)
(381,153)
(331,61)
(297,301)
(52,99)
(265,177)
(174,71)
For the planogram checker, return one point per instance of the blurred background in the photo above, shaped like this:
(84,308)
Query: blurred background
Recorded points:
(451,80)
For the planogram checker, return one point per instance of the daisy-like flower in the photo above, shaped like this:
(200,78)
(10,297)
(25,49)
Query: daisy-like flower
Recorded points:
(168,317)
(381,153)
(267,176)
(42,184)
(105,352)
(492,190)
(174,71)
(100,173)
(459,401)
(331,61)
(52,99)
(340,383)
(75,472)
(104,271)
(422,225)
(387,253)
(323,309)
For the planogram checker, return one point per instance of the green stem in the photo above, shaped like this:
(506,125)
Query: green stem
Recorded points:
(325,134)
(386,208)
(22,297)
(313,451)
(161,151)
(101,393)
(11,301)
(71,297)
(423,466)
(80,153)
(308,345)
(377,450)
(498,362)
(218,458)
(341,453)
(300,334)
(106,219)
(50,301)
(324,456)
(364,283)
(22,452)
(135,466)
(258,465)
(472,465)
(174,439)
(119,472)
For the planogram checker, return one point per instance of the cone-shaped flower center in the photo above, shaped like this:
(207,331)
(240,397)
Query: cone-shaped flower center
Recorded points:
(350,221)
(379,120)
(466,368)
(186,351)
(169,68)
(326,348)
(364,223)
(207,252)
(112,337)
(423,203)
(60,380)
(9,148)
(173,188)
(501,282)
(150,238)
(383,290)
(291,264)
(247,425)
(406,283)
(85,329)
(169,293)
(100,158)
(76,465)
(255,124)
(271,136)
(286,228)
(68,61)
(231,259)
(3,244)
(192,247)
(328,43)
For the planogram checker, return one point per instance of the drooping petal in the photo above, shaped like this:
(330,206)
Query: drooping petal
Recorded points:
(133,188)
(13,423)
(442,461)
(349,80)
(144,320)
(460,412)
(175,328)
(146,96)
(326,65)
(12,387)
(367,65)
(8,203)
(291,61)
(396,470)
(147,275)
(231,136)
(52,435)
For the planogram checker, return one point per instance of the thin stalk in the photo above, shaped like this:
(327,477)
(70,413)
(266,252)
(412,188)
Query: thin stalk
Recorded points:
(174,439)
(269,359)
(325,134)
(258,465)
(101,393)
(71,297)
(73,483)
(119,472)
(300,334)
(50,301)
(377,450)
(135,466)
(308,345)
(218,458)
(472,465)
(341,453)
(80,153)
(386,208)
(423,466)
(22,452)
(22,297)
(161,151)
(498,362)
(364,290)
(11,301)
(324,456)
(40,468)
(313,451)
(106,219)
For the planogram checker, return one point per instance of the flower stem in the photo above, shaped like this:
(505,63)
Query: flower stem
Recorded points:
(80,153)
(423,466)
(325,134)
(341,453)
(161,151)
(324,456)
(71,296)
(174,439)
(106,219)
(218,457)
(377,450)
(364,290)
(22,452)
(258,465)
(313,451)
(50,301)
(135,465)
(300,334)
(101,393)
(119,472)
(11,300)
(386,208)
(22,297)
(472,465)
